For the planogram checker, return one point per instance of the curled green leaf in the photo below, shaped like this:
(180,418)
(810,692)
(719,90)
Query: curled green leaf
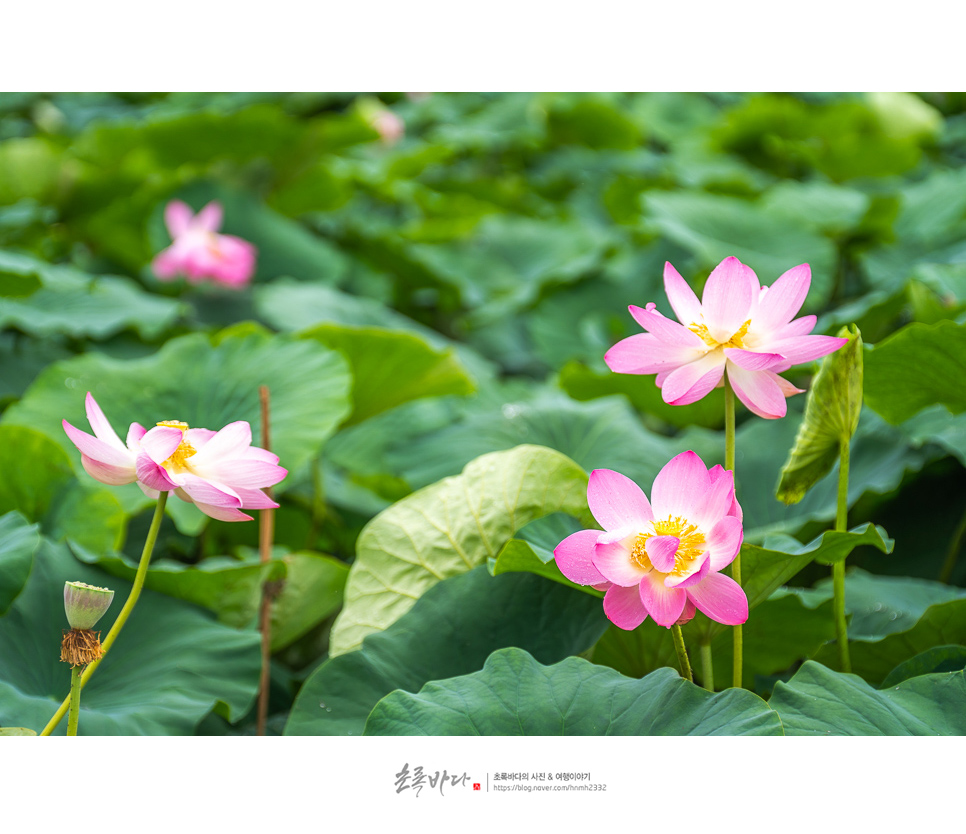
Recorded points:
(831,418)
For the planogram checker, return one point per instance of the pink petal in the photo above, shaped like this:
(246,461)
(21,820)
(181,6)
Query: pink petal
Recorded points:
(616,501)
(255,499)
(221,513)
(202,491)
(613,561)
(574,556)
(661,550)
(799,327)
(153,476)
(209,218)
(783,299)
(102,428)
(728,297)
(758,391)
(691,382)
(752,360)
(724,542)
(134,434)
(665,605)
(644,353)
(698,570)
(242,473)
(161,442)
(683,300)
(688,613)
(720,598)
(106,473)
(786,387)
(229,442)
(255,453)
(715,503)
(679,486)
(98,450)
(177,217)
(198,438)
(623,607)
(665,329)
(800,349)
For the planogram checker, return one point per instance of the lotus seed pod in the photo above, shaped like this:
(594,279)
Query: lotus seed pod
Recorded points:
(85,604)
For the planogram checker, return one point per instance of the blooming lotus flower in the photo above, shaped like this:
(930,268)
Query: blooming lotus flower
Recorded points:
(198,252)
(661,559)
(738,326)
(220,472)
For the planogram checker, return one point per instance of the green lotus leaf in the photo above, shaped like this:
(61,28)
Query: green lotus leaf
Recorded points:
(448,528)
(514,695)
(19,541)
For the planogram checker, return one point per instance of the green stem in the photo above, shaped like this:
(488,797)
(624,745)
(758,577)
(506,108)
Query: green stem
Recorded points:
(707,667)
(736,564)
(682,651)
(838,569)
(75,689)
(955,544)
(125,611)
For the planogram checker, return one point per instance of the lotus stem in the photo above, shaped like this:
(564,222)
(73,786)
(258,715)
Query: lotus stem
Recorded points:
(682,651)
(75,691)
(132,599)
(707,667)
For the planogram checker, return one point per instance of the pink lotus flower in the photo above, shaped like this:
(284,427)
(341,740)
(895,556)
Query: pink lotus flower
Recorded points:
(198,252)
(738,326)
(664,559)
(220,472)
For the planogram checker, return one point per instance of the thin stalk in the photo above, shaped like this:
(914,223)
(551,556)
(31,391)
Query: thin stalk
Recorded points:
(75,690)
(838,569)
(736,564)
(266,536)
(132,599)
(682,651)
(707,667)
(955,545)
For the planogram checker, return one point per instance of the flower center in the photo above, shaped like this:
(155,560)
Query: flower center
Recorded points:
(185,450)
(735,341)
(691,544)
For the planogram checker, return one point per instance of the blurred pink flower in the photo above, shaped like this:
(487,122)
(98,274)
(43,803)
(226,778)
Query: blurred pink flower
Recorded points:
(661,560)
(738,326)
(220,472)
(198,252)
(390,127)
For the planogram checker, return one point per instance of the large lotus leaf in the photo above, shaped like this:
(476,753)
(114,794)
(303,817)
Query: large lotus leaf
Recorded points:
(602,434)
(448,528)
(312,590)
(203,381)
(941,624)
(936,659)
(832,410)
(514,695)
(73,303)
(18,541)
(171,665)
(937,425)
(929,229)
(818,701)
(918,366)
(391,367)
(229,588)
(22,358)
(39,482)
(715,227)
(451,630)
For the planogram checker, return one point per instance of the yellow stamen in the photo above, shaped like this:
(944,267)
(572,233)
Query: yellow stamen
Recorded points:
(735,341)
(690,547)
(184,451)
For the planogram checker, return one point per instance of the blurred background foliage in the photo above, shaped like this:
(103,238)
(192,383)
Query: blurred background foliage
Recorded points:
(469,272)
